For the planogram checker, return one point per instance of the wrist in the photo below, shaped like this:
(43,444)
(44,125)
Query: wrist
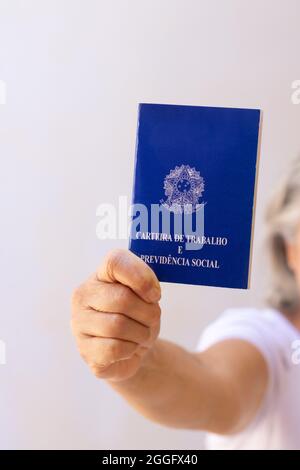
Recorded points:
(149,362)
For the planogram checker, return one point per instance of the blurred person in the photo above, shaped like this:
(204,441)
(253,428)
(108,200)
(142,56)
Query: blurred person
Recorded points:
(241,385)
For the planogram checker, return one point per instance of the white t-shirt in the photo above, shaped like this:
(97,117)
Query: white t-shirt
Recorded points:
(276,425)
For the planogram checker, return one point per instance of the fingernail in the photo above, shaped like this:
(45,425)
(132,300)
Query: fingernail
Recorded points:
(154,294)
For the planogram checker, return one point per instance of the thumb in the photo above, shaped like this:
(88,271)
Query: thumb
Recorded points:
(125,267)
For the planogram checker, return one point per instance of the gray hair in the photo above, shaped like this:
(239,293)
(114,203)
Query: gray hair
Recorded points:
(283,218)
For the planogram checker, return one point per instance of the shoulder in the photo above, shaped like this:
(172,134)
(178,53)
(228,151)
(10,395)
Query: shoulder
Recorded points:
(267,321)
(266,329)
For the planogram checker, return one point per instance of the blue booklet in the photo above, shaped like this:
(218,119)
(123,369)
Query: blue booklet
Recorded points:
(194,193)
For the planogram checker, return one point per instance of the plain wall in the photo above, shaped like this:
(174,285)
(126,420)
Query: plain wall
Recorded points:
(75,71)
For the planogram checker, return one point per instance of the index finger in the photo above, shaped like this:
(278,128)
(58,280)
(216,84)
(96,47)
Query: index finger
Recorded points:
(125,267)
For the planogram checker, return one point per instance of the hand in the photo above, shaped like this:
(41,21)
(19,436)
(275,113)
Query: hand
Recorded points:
(116,316)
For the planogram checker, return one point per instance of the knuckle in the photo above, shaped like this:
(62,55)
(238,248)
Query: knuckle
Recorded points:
(112,261)
(82,350)
(78,295)
(83,354)
(77,322)
(74,325)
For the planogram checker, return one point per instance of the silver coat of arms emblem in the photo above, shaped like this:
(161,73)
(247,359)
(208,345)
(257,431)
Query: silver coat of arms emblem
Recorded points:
(183,187)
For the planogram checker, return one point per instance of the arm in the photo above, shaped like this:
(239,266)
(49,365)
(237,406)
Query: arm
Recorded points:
(218,390)
(116,320)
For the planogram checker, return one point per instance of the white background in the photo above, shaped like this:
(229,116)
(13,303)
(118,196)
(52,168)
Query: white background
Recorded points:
(75,71)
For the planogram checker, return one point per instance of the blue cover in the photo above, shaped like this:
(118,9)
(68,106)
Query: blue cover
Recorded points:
(197,155)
